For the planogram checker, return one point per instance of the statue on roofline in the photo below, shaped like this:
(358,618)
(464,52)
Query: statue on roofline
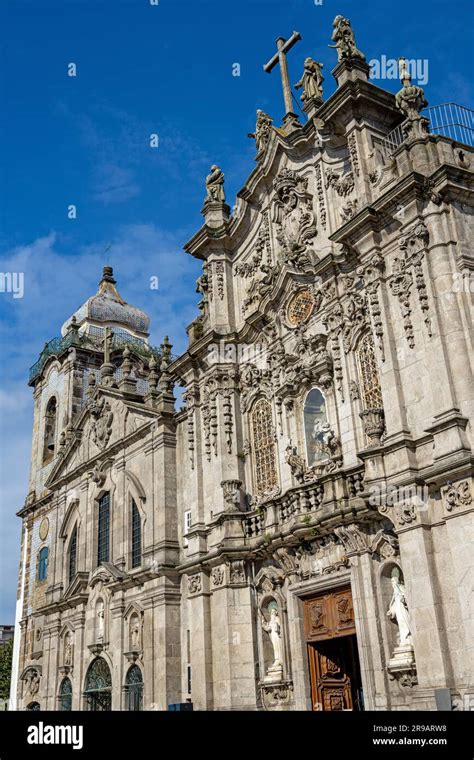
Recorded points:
(311,81)
(262,130)
(343,36)
(215,185)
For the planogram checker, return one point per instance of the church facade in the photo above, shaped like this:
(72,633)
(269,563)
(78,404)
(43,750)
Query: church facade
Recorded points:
(298,535)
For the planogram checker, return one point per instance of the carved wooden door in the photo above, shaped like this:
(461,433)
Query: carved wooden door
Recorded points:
(329,615)
(333,676)
(332,651)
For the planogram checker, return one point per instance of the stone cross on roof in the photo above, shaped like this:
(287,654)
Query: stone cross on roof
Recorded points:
(280,58)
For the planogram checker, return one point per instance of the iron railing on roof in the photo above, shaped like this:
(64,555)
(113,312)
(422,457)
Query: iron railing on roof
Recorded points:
(448,119)
(57,346)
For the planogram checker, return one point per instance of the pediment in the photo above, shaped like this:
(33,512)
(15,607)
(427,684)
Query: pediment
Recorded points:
(77,586)
(108,420)
(106,573)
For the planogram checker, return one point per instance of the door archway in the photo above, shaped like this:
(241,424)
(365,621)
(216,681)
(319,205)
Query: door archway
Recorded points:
(98,686)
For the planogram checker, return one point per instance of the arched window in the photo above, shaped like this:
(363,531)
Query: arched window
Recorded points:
(33,706)
(370,391)
(103,529)
(134,689)
(136,536)
(65,695)
(72,555)
(264,448)
(43,563)
(315,426)
(49,430)
(98,686)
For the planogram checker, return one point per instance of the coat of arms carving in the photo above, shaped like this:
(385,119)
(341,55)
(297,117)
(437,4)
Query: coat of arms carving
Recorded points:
(295,219)
(102,417)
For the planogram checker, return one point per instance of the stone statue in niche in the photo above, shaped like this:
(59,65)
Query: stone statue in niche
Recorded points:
(398,609)
(68,649)
(273,628)
(100,621)
(215,185)
(134,633)
(311,81)
(316,426)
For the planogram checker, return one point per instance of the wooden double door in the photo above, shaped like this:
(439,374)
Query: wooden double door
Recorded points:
(332,652)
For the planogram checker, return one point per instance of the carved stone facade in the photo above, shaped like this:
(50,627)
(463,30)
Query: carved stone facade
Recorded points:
(328,368)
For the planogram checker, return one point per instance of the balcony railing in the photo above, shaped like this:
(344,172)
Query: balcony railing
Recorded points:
(448,119)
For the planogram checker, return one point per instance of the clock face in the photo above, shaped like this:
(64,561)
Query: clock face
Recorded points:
(44,528)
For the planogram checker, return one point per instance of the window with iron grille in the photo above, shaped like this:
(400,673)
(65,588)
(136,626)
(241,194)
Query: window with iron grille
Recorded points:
(136,536)
(43,564)
(371,393)
(73,554)
(65,695)
(134,689)
(264,449)
(103,529)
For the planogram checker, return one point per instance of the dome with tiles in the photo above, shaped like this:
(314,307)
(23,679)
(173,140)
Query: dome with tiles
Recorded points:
(107,307)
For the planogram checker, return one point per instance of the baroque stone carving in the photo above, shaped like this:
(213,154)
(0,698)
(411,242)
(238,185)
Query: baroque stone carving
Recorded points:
(217,576)
(194,584)
(237,572)
(276,696)
(343,184)
(343,36)
(410,99)
(31,679)
(354,391)
(374,425)
(353,539)
(457,495)
(190,397)
(349,210)
(102,417)
(371,275)
(352,142)
(231,489)
(320,194)
(323,556)
(294,216)
(412,245)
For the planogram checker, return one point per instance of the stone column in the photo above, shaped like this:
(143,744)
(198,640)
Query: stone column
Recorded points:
(432,656)
(199,617)
(233,639)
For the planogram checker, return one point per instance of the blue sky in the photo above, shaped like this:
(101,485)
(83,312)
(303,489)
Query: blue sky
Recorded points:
(84,140)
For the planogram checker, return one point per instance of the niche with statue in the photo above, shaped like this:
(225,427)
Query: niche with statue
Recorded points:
(401,664)
(275,685)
